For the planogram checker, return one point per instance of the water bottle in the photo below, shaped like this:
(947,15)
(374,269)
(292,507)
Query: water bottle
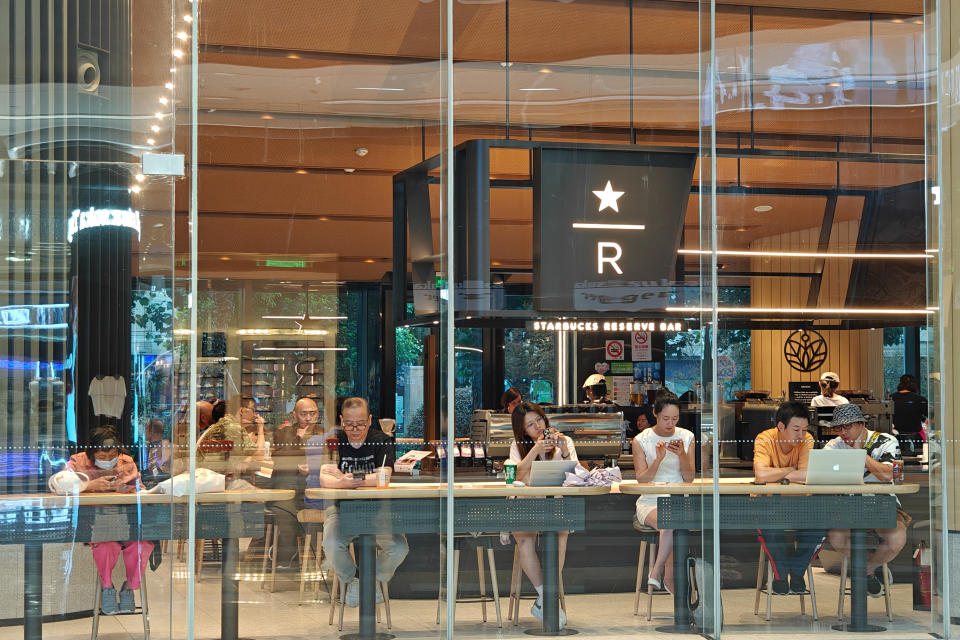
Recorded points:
(897,472)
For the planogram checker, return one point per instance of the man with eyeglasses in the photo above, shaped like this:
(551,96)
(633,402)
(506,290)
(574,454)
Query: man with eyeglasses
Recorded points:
(361,451)
(883,451)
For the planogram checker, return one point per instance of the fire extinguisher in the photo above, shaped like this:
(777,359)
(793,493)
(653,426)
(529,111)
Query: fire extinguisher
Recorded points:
(922,583)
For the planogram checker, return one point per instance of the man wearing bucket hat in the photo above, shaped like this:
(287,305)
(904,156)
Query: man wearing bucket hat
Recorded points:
(883,451)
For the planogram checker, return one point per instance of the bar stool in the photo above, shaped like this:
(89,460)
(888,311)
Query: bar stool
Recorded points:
(764,565)
(516,587)
(271,535)
(142,610)
(649,538)
(337,587)
(483,541)
(312,522)
(844,589)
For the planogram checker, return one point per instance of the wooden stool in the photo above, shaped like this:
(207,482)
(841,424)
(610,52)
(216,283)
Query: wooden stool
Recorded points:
(483,542)
(142,610)
(516,586)
(764,564)
(312,522)
(337,587)
(649,538)
(271,535)
(844,589)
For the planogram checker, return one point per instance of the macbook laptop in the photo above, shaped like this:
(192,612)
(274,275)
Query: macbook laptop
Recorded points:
(549,473)
(836,466)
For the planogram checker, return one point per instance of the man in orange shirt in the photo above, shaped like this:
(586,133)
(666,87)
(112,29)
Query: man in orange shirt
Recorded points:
(780,455)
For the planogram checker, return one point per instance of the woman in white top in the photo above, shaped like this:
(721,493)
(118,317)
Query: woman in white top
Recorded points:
(533,439)
(663,455)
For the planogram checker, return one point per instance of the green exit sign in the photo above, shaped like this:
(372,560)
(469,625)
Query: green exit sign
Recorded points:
(286,264)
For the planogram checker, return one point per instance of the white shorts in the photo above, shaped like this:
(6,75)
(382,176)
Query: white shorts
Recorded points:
(646,504)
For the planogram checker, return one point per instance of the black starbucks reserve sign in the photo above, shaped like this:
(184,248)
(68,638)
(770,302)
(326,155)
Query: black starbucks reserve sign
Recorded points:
(607,227)
(805,350)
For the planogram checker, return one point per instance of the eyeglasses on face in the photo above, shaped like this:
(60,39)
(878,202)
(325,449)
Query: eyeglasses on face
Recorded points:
(354,425)
(534,423)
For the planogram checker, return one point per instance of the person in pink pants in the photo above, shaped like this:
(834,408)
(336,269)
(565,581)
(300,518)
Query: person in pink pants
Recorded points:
(112,471)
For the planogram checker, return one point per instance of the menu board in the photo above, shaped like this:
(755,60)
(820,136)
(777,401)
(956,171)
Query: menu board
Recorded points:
(803,391)
(620,389)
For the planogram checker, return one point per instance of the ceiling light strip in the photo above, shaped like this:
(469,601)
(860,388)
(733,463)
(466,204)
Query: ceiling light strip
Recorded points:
(804,311)
(300,349)
(804,254)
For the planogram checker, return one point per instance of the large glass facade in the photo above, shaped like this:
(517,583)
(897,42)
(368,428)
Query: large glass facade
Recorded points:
(474,318)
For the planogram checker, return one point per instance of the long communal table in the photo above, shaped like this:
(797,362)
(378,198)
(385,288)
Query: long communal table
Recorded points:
(747,506)
(481,506)
(37,519)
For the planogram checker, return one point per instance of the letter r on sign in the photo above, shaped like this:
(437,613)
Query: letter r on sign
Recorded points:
(612,260)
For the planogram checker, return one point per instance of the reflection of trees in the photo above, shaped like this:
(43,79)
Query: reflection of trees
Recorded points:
(529,355)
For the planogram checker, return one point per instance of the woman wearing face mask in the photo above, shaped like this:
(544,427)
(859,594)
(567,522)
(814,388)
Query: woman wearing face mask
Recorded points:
(112,471)
(662,454)
(535,440)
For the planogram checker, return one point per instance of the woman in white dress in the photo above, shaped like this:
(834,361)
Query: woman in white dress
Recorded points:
(663,454)
(533,439)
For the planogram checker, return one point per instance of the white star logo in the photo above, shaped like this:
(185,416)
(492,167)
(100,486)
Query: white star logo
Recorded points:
(608,197)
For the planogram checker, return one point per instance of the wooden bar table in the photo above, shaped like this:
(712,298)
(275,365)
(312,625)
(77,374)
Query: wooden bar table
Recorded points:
(478,506)
(36,519)
(745,505)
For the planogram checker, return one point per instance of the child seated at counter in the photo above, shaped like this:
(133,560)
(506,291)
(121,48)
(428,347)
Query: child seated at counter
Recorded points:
(109,470)
(535,440)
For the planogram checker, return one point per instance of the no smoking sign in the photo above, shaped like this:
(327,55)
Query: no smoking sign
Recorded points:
(615,349)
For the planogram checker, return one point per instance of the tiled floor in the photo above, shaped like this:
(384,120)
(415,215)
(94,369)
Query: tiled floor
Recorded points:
(277,615)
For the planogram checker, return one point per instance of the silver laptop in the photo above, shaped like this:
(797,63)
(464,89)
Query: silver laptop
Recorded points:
(836,466)
(549,473)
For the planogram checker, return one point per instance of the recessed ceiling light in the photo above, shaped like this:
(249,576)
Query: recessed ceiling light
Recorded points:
(897,20)
(741,228)
(538,89)
(224,258)
(151,141)
(163,100)
(834,84)
(918,22)
(369,261)
(135,188)
(891,81)
(155,128)
(323,219)
(293,56)
(302,172)
(158,225)
(169,85)
(361,151)
(379,89)
(266,116)
(349,170)
(506,64)
(140,177)
(177,54)
(182,35)
(545,70)
(762,208)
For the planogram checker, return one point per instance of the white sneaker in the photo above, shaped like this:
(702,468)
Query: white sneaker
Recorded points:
(353,593)
(537,611)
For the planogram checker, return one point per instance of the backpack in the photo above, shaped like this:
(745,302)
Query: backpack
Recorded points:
(702,581)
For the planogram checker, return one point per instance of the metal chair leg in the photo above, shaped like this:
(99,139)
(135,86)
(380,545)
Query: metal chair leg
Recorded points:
(514,585)
(97,599)
(386,602)
(650,560)
(813,592)
(760,567)
(456,583)
(496,587)
(276,552)
(334,595)
(144,608)
(641,560)
(769,587)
